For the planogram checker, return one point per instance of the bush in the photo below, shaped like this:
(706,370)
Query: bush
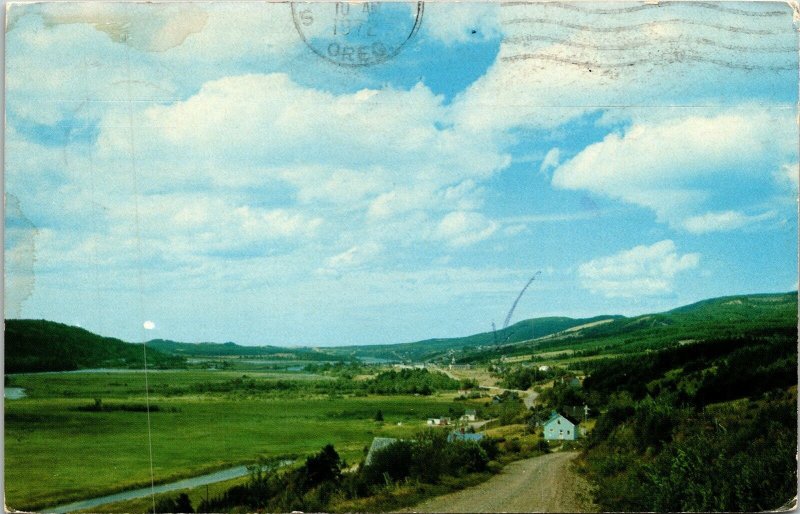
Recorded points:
(182,504)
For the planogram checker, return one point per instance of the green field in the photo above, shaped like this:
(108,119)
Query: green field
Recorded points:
(56,453)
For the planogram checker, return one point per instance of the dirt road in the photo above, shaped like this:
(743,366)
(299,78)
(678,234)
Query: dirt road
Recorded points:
(540,484)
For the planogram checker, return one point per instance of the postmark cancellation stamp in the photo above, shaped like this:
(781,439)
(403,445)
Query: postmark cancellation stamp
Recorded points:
(357,34)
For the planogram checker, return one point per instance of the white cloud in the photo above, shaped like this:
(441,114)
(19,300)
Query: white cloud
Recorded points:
(640,271)
(252,128)
(722,221)
(462,228)
(550,161)
(355,256)
(678,167)
(559,62)
(789,174)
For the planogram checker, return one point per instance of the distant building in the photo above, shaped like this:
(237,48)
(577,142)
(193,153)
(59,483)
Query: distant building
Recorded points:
(469,415)
(496,399)
(544,368)
(438,422)
(560,427)
(378,443)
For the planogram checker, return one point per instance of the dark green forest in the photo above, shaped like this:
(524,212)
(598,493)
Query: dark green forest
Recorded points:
(231,349)
(731,317)
(707,426)
(39,345)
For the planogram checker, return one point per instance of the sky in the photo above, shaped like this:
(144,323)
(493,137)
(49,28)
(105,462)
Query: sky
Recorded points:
(196,172)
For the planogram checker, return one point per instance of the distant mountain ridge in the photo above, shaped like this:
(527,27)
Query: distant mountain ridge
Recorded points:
(429,348)
(39,345)
(731,316)
(232,349)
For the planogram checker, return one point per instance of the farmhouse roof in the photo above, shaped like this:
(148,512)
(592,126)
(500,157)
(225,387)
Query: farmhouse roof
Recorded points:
(378,443)
(555,415)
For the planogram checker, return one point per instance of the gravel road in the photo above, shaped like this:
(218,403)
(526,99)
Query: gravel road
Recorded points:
(540,484)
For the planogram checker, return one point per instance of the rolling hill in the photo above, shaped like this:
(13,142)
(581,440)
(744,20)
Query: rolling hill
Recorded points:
(731,316)
(33,345)
(432,348)
(231,349)
(39,345)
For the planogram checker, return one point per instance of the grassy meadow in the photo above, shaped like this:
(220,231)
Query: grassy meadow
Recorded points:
(59,450)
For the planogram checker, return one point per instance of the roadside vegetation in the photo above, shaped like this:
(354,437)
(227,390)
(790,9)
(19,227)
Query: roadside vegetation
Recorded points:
(711,427)
(397,476)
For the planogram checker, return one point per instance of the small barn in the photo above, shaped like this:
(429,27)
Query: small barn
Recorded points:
(560,428)
(438,421)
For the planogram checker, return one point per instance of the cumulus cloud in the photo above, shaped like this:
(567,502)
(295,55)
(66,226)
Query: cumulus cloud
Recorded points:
(268,126)
(640,271)
(679,167)
(462,228)
(557,63)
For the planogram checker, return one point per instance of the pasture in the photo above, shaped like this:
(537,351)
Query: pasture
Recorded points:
(63,445)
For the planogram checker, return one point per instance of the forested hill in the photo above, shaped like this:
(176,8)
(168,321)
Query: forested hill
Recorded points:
(431,348)
(232,349)
(731,316)
(39,345)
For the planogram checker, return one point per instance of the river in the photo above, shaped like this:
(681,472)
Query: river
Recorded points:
(211,478)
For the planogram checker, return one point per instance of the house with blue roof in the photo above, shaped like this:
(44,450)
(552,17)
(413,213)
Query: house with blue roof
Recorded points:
(560,428)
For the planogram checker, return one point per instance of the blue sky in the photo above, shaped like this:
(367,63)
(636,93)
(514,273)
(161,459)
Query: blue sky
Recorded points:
(199,167)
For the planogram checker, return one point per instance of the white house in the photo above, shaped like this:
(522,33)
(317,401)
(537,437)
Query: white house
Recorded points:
(469,415)
(559,427)
(438,421)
